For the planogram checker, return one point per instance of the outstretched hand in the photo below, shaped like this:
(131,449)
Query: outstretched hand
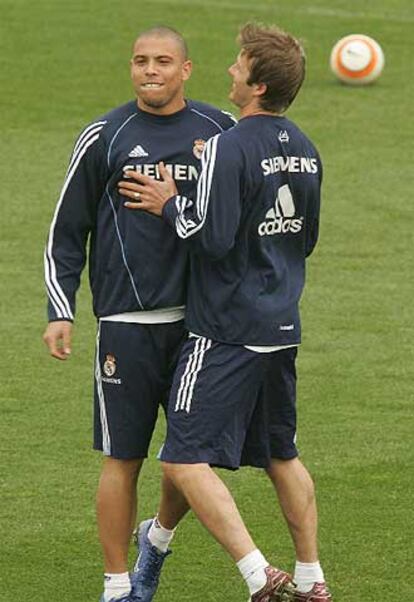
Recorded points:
(147,193)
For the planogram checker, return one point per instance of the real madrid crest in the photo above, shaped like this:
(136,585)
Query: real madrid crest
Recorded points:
(198,147)
(109,366)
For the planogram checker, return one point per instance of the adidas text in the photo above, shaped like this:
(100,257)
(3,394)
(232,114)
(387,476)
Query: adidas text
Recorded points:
(280,225)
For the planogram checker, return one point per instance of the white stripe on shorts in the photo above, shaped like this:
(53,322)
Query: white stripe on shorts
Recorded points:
(189,378)
(106,440)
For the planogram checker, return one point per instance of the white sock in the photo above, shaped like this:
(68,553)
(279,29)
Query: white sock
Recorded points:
(252,567)
(159,536)
(116,585)
(306,574)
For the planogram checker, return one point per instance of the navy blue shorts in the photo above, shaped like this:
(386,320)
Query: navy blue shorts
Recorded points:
(134,368)
(230,406)
(272,431)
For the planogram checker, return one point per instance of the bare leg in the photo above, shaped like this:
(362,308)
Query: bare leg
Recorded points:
(296,493)
(116,504)
(213,504)
(173,505)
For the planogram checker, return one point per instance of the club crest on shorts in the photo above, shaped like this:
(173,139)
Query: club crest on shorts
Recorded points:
(109,366)
(198,147)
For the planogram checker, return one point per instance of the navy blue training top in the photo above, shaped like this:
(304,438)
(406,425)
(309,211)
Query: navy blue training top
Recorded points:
(252,223)
(135,260)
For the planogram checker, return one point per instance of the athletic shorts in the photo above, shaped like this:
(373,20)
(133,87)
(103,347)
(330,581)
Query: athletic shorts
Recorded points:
(134,367)
(230,406)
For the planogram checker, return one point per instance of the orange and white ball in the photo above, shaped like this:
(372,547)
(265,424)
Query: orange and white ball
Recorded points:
(357,59)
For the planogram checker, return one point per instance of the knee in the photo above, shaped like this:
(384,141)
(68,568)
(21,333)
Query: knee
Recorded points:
(179,474)
(288,474)
(279,469)
(173,472)
(127,469)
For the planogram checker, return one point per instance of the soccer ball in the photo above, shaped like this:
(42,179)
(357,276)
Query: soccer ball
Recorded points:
(357,59)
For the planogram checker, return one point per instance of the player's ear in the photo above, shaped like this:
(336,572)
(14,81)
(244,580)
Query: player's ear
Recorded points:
(259,89)
(187,70)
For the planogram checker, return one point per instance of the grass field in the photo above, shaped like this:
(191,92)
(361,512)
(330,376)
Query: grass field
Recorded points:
(62,64)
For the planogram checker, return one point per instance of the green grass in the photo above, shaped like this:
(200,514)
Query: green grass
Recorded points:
(62,64)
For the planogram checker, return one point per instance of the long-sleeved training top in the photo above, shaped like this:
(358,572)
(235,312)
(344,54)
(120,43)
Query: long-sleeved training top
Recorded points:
(250,226)
(136,262)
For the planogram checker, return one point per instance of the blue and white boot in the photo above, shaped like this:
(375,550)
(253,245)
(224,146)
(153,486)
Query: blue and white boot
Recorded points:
(146,574)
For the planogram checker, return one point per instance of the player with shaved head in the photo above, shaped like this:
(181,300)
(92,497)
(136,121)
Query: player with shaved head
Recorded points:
(137,272)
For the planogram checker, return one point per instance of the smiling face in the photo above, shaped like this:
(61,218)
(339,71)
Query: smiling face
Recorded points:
(240,92)
(159,69)
(243,95)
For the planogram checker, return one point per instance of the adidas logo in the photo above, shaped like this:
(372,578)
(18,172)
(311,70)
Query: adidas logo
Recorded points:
(283,136)
(279,218)
(138,151)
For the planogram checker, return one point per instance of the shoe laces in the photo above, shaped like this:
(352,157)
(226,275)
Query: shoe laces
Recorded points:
(322,590)
(318,592)
(152,568)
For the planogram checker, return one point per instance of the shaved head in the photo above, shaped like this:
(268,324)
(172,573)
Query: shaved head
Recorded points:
(159,68)
(161,31)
